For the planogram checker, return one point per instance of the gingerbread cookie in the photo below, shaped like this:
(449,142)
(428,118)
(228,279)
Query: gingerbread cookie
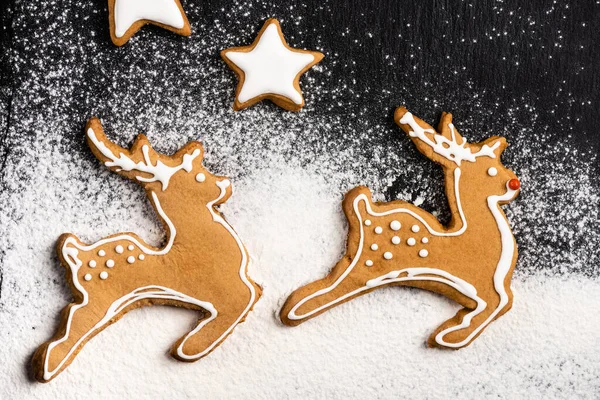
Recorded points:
(269,69)
(470,261)
(126,17)
(202,266)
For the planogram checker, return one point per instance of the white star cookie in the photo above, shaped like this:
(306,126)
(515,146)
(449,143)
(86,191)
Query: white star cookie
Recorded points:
(126,17)
(269,69)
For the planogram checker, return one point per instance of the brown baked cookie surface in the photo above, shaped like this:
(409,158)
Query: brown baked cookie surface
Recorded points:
(202,266)
(470,261)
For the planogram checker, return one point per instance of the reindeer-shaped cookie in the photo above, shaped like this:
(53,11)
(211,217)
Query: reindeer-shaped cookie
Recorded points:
(202,266)
(470,261)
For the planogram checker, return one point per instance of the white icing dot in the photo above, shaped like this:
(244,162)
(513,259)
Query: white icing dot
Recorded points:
(423,253)
(378,230)
(101,253)
(395,225)
(387,255)
(141,256)
(87,277)
(131,259)
(110,263)
(492,171)
(130,247)
(396,240)
(92,264)
(415,228)
(367,222)
(424,240)
(103,275)
(119,249)
(369,263)
(200,177)
(411,241)
(374,246)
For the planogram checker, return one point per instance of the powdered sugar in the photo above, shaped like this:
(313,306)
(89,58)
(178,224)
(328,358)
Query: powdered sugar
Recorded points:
(289,174)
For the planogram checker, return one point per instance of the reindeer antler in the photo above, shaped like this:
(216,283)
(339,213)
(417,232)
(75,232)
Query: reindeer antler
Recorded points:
(159,172)
(446,145)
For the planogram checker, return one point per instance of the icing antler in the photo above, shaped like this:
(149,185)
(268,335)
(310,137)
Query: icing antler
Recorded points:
(446,146)
(138,159)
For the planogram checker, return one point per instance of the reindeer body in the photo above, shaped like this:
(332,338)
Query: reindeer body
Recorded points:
(203,265)
(470,261)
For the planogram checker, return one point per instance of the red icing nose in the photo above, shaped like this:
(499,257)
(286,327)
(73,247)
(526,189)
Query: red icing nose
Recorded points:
(514,184)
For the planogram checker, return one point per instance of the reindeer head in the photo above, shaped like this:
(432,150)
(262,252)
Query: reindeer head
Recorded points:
(479,162)
(183,171)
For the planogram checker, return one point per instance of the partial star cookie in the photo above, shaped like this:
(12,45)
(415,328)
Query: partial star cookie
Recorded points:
(269,69)
(126,17)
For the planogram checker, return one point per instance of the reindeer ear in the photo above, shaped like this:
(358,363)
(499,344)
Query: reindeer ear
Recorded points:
(430,143)
(191,148)
(447,129)
(497,143)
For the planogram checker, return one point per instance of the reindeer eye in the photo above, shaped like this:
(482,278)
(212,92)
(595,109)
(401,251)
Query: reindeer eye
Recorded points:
(492,171)
(200,177)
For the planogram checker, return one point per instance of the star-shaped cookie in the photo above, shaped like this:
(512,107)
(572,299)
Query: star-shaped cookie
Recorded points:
(126,17)
(269,69)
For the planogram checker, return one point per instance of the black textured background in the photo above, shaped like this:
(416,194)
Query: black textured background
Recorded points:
(526,70)
(544,53)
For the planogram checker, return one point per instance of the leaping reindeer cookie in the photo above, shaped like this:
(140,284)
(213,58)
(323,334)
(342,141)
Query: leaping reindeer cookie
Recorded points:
(202,266)
(470,261)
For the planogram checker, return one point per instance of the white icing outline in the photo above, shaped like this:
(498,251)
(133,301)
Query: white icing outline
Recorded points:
(414,274)
(158,292)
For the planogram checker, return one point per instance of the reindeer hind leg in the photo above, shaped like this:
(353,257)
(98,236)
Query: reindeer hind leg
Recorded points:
(79,323)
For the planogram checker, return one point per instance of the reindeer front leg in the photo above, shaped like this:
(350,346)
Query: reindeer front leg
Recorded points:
(218,323)
(460,330)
